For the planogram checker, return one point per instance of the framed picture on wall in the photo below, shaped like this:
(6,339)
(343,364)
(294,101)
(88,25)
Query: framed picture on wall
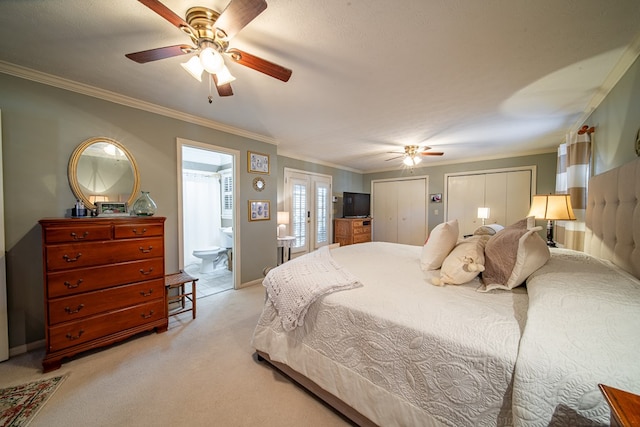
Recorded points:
(259,210)
(257,162)
(436,198)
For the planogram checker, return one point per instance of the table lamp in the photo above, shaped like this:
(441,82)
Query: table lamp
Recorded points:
(552,207)
(483,213)
(283,219)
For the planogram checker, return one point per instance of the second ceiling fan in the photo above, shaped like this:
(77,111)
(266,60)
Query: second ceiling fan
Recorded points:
(412,154)
(210,32)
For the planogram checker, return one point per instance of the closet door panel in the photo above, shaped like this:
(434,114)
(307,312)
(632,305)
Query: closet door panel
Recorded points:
(496,198)
(465,194)
(412,227)
(518,196)
(385,205)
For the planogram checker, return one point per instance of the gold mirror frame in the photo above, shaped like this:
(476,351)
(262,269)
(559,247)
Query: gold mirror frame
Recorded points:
(72,170)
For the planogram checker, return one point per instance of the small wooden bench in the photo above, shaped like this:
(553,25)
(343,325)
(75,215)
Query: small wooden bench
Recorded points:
(178,280)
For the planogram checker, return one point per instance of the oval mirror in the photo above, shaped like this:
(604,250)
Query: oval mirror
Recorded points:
(102,170)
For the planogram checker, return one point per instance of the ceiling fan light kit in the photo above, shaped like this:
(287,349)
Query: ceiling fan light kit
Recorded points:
(211,31)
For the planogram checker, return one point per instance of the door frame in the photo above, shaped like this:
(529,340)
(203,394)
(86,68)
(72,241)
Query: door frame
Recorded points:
(4,321)
(312,204)
(235,154)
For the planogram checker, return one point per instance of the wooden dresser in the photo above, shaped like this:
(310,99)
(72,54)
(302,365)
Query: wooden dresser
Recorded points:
(103,282)
(348,231)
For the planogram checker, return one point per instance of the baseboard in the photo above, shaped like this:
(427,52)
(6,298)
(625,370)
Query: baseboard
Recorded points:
(21,349)
(251,283)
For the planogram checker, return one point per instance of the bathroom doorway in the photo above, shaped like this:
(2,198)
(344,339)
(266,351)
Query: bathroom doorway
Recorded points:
(206,186)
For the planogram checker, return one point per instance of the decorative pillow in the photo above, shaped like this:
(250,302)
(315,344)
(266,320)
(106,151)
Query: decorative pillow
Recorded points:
(464,262)
(487,230)
(440,242)
(511,255)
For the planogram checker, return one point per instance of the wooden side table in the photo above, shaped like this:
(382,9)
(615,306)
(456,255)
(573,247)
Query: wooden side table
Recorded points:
(625,406)
(178,280)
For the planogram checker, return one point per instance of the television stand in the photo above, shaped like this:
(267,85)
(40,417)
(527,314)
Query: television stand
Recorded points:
(349,231)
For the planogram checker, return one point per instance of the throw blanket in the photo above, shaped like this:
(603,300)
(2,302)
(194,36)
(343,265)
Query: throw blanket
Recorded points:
(294,286)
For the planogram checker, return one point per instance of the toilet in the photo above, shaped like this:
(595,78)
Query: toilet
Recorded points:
(211,258)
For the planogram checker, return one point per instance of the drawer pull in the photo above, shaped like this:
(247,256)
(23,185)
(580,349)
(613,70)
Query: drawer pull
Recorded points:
(69,259)
(146,251)
(147,316)
(69,310)
(146,273)
(139,233)
(76,237)
(71,285)
(73,338)
(146,294)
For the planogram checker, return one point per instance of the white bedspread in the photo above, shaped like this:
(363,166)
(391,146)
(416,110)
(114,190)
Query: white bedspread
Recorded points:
(583,328)
(294,286)
(434,355)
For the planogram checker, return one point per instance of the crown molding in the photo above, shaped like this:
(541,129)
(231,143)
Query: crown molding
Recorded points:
(117,98)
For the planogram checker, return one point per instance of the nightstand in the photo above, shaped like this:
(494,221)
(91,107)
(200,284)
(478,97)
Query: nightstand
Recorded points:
(625,406)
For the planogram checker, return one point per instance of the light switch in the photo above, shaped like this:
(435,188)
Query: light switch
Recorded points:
(435,211)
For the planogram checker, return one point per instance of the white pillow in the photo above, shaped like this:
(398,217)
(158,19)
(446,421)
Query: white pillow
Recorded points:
(511,255)
(440,242)
(464,262)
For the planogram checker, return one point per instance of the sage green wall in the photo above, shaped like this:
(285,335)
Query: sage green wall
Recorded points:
(617,122)
(545,183)
(342,180)
(42,125)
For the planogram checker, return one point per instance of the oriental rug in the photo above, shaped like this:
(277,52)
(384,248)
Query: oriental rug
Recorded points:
(20,404)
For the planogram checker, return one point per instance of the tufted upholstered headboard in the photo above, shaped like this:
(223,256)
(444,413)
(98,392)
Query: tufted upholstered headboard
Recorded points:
(613,217)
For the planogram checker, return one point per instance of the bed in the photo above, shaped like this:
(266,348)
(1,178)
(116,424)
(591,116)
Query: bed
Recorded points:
(388,348)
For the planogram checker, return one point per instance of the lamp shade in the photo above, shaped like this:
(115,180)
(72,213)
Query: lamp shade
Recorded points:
(194,67)
(483,213)
(283,217)
(552,207)
(224,76)
(211,60)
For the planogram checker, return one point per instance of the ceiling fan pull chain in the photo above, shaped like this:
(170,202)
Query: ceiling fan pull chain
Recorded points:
(210,97)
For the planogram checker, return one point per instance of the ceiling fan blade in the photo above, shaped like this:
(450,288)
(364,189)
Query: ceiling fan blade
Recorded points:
(259,64)
(170,16)
(224,90)
(432,153)
(160,53)
(393,158)
(237,15)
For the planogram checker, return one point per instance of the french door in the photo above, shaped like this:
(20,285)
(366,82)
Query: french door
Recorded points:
(308,201)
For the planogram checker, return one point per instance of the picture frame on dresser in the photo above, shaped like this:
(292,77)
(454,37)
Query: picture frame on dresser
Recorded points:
(112,209)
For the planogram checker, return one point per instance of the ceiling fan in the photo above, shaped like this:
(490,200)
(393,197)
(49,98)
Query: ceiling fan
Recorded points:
(412,154)
(210,32)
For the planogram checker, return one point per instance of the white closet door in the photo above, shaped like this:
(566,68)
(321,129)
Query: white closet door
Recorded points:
(465,194)
(400,211)
(506,193)
(385,215)
(412,212)
(518,196)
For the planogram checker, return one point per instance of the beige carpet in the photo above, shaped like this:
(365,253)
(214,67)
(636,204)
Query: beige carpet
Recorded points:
(200,372)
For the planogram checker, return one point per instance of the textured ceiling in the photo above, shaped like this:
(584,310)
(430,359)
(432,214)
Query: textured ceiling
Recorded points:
(475,79)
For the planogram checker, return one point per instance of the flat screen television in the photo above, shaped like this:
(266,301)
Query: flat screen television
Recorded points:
(356,205)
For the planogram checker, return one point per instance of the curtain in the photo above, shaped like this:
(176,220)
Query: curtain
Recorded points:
(201,212)
(572,176)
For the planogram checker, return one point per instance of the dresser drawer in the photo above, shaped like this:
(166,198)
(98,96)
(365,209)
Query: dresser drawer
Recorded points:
(131,231)
(361,238)
(90,303)
(73,333)
(70,282)
(77,255)
(79,233)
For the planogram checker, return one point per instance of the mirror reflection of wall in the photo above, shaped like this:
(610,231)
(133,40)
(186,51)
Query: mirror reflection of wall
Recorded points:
(104,173)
